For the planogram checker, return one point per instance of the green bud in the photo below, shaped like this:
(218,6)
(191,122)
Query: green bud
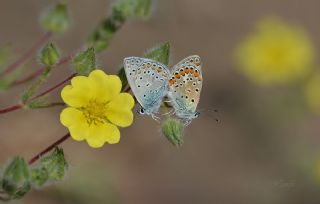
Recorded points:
(39,176)
(173,130)
(85,62)
(55,164)
(143,8)
(15,180)
(57,19)
(49,55)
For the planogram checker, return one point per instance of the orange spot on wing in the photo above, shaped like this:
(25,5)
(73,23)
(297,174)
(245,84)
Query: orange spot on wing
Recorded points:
(172,81)
(177,76)
(196,74)
(186,70)
(182,73)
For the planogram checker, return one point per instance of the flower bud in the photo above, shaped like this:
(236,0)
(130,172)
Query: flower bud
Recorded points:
(173,130)
(57,19)
(55,164)
(85,62)
(15,180)
(49,55)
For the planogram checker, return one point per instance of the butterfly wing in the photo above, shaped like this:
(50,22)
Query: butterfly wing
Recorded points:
(148,80)
(185,86)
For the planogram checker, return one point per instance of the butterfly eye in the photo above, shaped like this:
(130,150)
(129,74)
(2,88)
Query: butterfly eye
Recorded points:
(141,111)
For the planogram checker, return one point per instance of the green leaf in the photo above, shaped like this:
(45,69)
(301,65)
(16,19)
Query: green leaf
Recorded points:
(49,55)
(15,180)
(55,164)
(122,9)
(159,53)
(172,129)
(85,62)
(38,103)
(57,19)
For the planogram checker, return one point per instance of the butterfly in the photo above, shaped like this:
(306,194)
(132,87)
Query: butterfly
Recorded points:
(151,81)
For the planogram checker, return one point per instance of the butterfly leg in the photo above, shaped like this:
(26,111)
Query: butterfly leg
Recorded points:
(171,112)
(186,122)
(156,118)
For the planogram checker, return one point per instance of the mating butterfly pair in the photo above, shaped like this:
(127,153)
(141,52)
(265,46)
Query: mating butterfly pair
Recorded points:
(151,81)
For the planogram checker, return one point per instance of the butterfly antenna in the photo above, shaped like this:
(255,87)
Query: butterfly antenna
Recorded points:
(215,112)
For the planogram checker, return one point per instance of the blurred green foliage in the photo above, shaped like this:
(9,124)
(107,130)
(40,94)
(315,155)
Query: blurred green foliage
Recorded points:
(57,19)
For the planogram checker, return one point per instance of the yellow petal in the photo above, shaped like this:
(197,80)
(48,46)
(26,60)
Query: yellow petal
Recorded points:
(78,93)
(71,116)
(76,123)
(105,86)
(99,134)
(79,132)
(119,110)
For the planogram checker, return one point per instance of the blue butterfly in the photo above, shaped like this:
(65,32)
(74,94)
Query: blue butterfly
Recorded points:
(151,81)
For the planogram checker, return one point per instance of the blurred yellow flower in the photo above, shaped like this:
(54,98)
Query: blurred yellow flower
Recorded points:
(275,53)
(96,108)
(312,93)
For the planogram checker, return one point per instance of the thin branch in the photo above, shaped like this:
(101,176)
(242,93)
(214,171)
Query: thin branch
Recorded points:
(27,55)
(54,87)
(39,72)
(19,106)
(49,148)
(11,108)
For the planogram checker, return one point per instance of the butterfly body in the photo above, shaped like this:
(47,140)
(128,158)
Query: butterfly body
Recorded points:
(151,81)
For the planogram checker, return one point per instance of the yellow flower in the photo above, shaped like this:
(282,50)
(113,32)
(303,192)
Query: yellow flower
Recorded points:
(96,108)
(312,93)
(275,53)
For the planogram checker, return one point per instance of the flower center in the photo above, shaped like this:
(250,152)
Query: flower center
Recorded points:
(95,112)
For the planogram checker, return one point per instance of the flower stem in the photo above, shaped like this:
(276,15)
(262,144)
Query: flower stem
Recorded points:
(11,108)
(26,55)
(49,148)
(19,106)
(39,72)
(54,87)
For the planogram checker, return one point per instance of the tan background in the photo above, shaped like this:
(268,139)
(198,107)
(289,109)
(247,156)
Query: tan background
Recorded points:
(260,153)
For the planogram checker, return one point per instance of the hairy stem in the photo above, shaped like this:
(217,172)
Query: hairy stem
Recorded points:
(19,106)
(49,148)
(26,55)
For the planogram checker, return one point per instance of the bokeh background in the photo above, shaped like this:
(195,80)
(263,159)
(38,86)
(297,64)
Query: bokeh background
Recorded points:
(264,150)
